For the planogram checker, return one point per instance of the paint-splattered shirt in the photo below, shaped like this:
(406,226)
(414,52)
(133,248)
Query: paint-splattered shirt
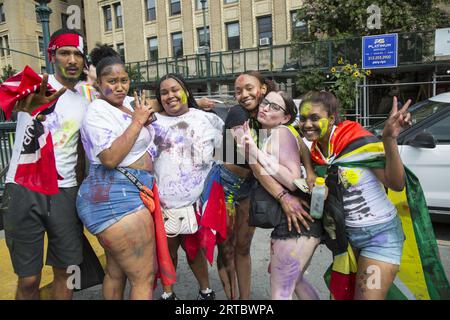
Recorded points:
(183,155)
(365,200)
(64,124)
(103,124)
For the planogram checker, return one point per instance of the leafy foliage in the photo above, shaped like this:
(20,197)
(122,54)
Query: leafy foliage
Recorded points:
(7,71)
(341,80)
(345,19)
(338,19)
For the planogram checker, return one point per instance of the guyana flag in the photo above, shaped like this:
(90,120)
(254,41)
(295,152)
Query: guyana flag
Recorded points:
(421,275)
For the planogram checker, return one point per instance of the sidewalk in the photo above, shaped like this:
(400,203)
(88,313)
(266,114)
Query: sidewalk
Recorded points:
(186,287)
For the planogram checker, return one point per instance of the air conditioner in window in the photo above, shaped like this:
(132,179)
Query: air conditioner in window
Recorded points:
(264,41)
(202,49)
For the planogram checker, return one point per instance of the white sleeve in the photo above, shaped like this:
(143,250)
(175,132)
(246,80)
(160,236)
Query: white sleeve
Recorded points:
(217,125)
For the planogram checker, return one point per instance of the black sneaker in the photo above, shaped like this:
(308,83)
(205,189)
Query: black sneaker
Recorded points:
(171,297)
(206,296)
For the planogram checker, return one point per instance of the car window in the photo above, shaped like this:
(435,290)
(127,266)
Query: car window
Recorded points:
(440,130)
(419,112)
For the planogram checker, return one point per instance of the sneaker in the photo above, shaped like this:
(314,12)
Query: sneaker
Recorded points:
(166,296)
(206,296)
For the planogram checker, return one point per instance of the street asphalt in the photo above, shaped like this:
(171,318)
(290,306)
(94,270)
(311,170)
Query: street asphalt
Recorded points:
(186,287)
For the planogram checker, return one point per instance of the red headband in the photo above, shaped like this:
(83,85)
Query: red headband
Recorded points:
(65,39)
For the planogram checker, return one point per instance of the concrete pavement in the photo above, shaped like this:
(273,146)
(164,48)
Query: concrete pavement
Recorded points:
(186,287)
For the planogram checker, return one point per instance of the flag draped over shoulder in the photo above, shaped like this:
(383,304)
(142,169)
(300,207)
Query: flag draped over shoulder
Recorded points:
(421,275)
(36,169)
(212,221)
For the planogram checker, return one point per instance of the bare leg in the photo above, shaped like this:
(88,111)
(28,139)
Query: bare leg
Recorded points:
(374,278)
(28,288)
(242,259)
(288,260)
(225,260)
(60,289)
(199,267)
(174,244)
(114,281)
(131,243)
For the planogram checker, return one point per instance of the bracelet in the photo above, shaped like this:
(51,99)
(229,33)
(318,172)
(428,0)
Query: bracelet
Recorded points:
(281,195)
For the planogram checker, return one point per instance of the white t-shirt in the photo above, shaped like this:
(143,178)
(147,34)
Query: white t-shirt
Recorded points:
(365,200)
(64,124)
(183,155)
(103,124)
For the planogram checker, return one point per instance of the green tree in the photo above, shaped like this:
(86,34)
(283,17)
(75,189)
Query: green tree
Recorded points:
(345,19)
(337,19)
(7,71)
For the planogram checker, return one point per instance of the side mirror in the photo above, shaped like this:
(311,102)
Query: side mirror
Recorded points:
(422,140)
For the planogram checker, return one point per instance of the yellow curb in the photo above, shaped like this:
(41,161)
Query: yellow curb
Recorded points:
(8,279)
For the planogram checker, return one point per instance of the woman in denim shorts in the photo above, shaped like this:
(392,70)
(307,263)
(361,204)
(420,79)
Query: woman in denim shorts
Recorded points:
(233,259)
(108,203)
(372,225)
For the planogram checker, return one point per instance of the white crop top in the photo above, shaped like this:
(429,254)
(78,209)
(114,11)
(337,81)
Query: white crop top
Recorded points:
(103,124)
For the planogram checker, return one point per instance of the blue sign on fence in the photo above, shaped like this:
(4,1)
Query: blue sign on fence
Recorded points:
(380,51)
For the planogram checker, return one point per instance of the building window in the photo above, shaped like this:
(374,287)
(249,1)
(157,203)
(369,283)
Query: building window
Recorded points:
(264,30)
(41,45)
(118,12)
(2,13)
(108,18)
(38,18)
(121,50)
(198,5)
(64,18)
(175,7)
(202,40)
(298,26)
(151,10)
(230,1)
(177,44)
(233,38)
(153,49)
(6,41)
(2,51)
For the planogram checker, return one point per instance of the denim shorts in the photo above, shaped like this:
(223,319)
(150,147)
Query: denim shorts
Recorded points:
(107,195)
(383,242)
(234,187)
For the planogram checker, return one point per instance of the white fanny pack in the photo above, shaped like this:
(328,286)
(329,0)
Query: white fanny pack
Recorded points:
(180,221)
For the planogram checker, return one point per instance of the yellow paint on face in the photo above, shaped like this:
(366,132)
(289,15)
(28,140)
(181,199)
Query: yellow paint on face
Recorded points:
(184,99)
(323,125)
(306,109)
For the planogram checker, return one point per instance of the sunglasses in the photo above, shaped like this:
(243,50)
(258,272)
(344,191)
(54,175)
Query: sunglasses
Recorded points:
(272,105)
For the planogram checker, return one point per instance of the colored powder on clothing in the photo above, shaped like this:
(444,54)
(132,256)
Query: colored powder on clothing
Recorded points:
(351,176)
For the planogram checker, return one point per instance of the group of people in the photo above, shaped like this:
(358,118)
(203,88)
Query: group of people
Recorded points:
(172,143)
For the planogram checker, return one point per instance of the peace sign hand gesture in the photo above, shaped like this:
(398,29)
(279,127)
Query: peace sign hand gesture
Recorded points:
(398,119)
(142,111)
(35,100)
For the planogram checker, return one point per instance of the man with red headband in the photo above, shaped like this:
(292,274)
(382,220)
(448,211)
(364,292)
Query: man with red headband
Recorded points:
(31,214)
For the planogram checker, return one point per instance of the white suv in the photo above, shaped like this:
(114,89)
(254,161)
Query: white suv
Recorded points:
(425,150)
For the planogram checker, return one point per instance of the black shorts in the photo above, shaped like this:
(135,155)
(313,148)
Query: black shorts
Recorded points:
(29,216)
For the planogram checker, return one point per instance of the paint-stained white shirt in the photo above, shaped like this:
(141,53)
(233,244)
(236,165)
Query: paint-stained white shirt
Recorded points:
(183,155)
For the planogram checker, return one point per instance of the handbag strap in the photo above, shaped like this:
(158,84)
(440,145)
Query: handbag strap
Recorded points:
(133,179)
